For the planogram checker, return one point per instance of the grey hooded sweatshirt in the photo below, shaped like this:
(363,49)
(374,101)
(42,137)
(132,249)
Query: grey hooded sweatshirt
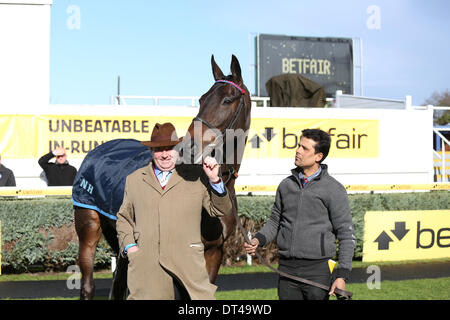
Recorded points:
(307,220)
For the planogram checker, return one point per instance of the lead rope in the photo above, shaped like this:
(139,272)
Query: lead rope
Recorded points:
(342,293)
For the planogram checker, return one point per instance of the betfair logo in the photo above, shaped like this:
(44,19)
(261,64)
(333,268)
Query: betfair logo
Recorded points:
(383,239)
(406,235)
(256,140)
(426,238)
(279,138)
(442,237)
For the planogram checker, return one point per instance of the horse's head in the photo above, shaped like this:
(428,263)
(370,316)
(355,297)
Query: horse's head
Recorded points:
(224,114)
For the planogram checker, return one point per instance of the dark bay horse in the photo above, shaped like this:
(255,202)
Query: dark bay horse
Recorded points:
(220,128)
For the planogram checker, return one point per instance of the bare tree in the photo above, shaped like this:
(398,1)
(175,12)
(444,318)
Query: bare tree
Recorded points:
(441,117)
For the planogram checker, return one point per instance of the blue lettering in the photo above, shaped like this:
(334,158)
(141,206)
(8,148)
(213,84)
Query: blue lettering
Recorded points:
(86,186)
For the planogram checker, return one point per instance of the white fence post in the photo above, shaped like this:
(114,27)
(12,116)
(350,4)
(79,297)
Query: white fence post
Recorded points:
(113,264)
(249,257)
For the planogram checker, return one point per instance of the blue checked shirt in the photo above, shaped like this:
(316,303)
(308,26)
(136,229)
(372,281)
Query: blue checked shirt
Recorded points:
(304,180)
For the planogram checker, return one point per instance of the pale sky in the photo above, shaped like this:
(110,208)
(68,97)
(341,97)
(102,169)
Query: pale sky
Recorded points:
(165,47)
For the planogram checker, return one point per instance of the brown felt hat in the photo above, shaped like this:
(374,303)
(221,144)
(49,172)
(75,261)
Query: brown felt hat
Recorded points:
(163,135)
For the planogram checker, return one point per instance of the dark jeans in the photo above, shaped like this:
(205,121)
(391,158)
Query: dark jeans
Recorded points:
(293,290)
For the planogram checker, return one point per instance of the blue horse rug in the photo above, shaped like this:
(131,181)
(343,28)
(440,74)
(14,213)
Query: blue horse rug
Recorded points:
(100,181)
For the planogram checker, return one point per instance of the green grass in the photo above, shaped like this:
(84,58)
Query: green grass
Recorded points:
(360,264)
(419,289)
(245,269)
(355,264)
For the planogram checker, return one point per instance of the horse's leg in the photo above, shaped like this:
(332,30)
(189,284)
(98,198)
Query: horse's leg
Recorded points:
(213,258)
(119,284)
(87,225)
(211,229)
(218,229)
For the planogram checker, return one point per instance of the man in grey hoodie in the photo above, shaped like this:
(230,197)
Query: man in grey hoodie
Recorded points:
(310,212)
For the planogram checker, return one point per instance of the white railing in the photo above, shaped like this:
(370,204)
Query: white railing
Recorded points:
(260,101)
(443,142)
(263,102)
(193,101)
(442,157)
(122,100)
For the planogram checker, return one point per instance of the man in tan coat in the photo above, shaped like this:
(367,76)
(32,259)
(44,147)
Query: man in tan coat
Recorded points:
(158,224)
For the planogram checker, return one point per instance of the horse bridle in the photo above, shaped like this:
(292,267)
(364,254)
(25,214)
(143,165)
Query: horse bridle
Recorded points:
(236,113)
(342,293)
(231,172)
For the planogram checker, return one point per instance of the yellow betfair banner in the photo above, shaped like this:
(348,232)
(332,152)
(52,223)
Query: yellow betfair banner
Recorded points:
(18,136)
(406,235)
(32,136)
(278,138)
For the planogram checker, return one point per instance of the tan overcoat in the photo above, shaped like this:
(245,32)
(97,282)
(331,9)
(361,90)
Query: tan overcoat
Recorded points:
(165,223)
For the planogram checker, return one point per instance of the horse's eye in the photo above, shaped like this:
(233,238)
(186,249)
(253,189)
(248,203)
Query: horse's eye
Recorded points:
(227,100)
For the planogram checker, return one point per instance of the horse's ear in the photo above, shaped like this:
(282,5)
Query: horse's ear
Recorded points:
(217,73)
(236,70)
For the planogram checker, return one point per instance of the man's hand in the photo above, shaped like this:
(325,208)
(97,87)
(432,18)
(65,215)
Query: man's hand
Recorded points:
(59,151)
(132,249)
(250,248)
(338,283)
(211,168)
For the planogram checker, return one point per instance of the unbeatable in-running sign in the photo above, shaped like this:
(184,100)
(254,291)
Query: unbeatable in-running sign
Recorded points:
(30,136)
(327,61)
